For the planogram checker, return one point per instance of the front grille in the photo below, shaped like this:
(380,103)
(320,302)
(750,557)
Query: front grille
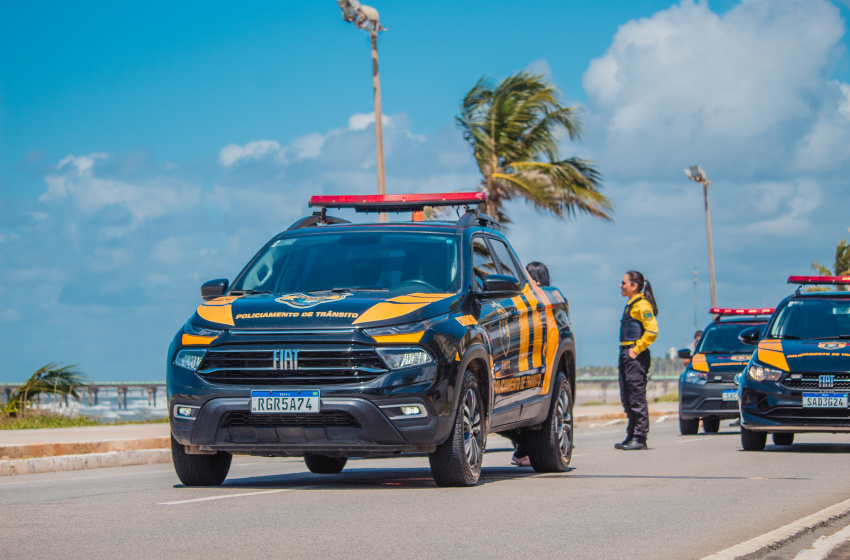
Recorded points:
(714,404)
(325,366)
(791,414)
(317,420)
(811,382)
(725,378)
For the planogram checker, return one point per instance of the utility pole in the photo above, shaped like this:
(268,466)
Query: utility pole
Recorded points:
(698,175)
(367,18)
(696,326)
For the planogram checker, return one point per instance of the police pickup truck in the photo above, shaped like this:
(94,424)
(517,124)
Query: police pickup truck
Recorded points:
(343,340)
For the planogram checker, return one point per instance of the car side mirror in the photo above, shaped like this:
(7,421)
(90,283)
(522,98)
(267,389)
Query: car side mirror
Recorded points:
(501,285)
(685,353)
(750,336)
(214,288)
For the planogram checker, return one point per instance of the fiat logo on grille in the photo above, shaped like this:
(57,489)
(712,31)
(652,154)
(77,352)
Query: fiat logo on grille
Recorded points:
(826,381)
(285,359)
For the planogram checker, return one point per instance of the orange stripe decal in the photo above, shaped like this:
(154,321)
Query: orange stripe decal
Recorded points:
(699,362)
(522,364)
(192,340)
(398,306)
(770,352)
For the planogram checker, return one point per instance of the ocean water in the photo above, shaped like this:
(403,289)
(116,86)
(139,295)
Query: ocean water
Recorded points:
(139,408)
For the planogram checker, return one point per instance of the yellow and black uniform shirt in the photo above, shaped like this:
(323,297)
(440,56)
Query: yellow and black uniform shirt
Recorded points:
(640,310)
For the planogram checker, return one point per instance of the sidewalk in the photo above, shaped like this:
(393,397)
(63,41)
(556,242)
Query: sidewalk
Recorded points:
(68,449)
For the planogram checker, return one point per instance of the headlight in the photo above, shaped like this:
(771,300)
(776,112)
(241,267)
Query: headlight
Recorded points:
(190,358)
(698,377)
(195,330)
(400,358)
(762,373)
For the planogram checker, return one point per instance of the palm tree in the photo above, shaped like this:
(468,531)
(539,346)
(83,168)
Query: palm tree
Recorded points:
(51,379)
(514,130)
(841,265)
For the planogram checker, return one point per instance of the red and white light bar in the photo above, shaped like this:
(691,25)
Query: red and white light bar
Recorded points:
(397,202)
(819,279)
(754,311)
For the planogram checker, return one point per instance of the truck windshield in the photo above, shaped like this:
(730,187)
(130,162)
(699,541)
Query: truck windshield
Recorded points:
(812,318)
(395,262)
(722,338)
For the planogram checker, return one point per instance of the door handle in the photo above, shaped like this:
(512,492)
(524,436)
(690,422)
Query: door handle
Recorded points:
(541,308)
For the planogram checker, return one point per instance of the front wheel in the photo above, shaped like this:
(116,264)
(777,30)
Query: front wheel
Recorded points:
(783,438)
(688,426)
(199,470)
(457,461)
(322,464)
(551,447)
(753,441)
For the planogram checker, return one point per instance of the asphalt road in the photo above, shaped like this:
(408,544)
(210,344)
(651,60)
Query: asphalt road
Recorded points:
(687,497)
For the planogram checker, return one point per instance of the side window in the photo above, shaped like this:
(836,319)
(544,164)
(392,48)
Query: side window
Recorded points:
(503,255)
(482,262)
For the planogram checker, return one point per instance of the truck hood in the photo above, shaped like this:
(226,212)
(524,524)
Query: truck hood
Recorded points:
(806,356)
(321,311)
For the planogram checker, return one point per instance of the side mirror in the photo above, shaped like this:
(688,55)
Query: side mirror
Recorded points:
(750,336)
(685,353)
(214,288)
(501,285)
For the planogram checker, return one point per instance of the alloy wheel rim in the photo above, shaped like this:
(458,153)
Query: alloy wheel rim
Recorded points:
(563,422)
(471,429)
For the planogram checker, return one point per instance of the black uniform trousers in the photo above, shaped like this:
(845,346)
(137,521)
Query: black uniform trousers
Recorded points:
(633,372)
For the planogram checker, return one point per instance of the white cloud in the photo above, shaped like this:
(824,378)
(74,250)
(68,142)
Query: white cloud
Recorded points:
(232,154)
(735,89)
(360,121)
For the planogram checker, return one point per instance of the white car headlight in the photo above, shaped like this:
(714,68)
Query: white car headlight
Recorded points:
(763,373)
(405,328)
(195,330)
(698,377)
(400,358)
(190,358)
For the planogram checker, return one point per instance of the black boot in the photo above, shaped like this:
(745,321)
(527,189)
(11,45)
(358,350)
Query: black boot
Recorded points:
(635,444)
(624,442)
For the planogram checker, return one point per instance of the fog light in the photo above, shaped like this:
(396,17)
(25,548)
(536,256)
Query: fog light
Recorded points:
(186,411)
(410,410)
(190,358)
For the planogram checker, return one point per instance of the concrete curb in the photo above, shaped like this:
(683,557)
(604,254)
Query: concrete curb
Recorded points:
(10,467)
(784,535)
(31,450)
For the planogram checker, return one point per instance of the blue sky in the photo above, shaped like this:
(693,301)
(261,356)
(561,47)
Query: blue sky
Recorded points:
(146,150)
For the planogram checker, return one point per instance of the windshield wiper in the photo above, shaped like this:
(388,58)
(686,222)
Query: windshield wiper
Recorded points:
(248,292)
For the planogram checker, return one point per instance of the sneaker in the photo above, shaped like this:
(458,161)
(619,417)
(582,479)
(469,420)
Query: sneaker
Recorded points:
(623,443)
(634,444)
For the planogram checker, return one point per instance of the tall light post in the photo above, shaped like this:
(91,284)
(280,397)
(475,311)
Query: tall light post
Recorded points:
(698,175)
(367,18)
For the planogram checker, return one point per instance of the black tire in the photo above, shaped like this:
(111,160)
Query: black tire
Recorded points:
(711,424)
(457,461)
(688,426)
(322,464)
(753,441)
(199,470)
(551,447)
(782,438)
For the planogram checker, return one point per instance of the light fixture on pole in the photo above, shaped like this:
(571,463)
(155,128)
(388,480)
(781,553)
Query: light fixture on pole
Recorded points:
(698,175)
(367,18)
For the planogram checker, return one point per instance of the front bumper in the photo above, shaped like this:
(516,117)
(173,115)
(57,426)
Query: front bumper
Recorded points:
(700,401)
(769,406)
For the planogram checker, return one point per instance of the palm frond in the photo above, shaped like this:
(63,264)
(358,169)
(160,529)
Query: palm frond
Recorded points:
(51,379)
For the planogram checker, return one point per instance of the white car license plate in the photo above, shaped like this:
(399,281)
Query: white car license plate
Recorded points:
(824,400)
(282,402)
(730,395)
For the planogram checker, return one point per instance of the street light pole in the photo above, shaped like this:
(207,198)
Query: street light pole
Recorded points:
(367,18)
(698,175)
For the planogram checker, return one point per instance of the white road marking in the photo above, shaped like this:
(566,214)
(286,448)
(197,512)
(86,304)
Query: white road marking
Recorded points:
(783,534)
(224,497)
(691,440)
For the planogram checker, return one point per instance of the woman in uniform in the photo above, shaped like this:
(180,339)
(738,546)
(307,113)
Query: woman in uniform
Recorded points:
(638,329)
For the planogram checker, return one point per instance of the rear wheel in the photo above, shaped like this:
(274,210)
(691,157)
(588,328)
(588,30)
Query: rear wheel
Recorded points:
(711,424)
(199,470)
(322,464)
(457,461)
(753,441)
(551,447)
(783,438)
(688,426)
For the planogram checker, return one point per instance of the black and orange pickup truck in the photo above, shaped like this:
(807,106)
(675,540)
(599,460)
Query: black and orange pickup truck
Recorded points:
(343,340)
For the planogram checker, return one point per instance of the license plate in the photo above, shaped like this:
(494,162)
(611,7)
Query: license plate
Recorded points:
(824,400)
(282,402)
(730,395)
